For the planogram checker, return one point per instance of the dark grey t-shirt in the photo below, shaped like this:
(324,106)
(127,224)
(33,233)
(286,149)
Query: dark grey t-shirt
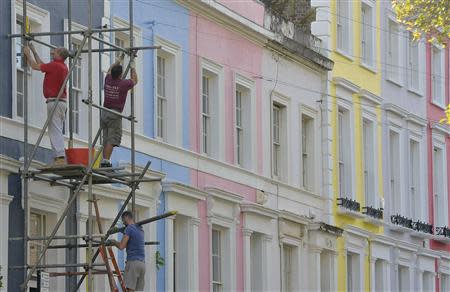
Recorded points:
(135,245)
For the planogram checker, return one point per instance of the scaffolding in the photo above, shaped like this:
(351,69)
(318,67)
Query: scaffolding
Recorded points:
(78,177)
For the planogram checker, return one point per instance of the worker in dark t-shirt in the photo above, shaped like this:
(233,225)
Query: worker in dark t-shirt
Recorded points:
(116,90)
(133,241)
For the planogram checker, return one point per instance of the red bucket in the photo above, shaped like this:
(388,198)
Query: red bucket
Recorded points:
(78,156)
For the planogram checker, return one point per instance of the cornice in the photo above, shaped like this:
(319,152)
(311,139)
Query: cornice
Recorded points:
(377,238)
(224,195)
(416,120)
(441,128)
(9,164)
(184,190)
(248,207)
(395,109)
(355,231)
(370,96)
(346,84)
(428,253)
(283,214)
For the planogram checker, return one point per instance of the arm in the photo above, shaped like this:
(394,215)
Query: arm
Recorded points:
(30,60)
(36,55)
(117,62)
(134,77)
(123,243)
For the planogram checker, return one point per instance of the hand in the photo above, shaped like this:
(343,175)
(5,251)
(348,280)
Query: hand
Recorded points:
(120,58)
(132,65)
(113,242)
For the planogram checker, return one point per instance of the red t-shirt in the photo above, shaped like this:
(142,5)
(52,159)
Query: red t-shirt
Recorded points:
(116,91)
(55,73)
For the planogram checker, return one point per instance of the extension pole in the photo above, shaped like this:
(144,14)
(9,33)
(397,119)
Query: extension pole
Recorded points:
(25,143)
(90,197)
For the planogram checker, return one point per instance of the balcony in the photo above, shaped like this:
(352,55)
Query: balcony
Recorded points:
(349,207)
(373,215)
(422,230)
(442,234)
(400,223)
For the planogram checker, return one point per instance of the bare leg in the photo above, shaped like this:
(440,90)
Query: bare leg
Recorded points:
(107,151)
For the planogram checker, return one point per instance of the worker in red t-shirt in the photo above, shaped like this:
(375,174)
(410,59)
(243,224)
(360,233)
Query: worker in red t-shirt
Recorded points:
(116,90)
(55,74)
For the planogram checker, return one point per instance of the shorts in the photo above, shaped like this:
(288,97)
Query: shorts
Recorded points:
(111,125)
(135,275)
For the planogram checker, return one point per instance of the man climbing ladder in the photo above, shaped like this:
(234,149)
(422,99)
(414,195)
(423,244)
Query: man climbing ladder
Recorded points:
(116,90)
(55,73)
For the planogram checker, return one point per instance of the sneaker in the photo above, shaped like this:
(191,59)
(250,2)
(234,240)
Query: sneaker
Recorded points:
(59,161)
(105,164)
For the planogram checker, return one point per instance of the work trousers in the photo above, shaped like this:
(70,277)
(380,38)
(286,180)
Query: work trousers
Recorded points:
(56,125)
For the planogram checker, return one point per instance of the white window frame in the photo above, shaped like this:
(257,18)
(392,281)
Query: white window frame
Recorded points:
(370,156)
(355,278)
(395,195)
(415,86)
(308,181)
(444,281)
(291,283)
(414,180)
(139,88)
(248,111)
(41,18)
(283,103)
(438,76)
(220,257)
(77,91)
(441,146)
(39,244)
(370,40)
(217,115)
(346,47)
(393,41)
(171,52)
(347,191)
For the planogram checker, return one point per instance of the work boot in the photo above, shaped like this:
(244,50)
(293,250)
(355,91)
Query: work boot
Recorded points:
(59,161)
(105,163)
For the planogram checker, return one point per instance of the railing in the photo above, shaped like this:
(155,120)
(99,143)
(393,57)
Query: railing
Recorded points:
(373,212)
(349,204)
(402,221)
(422,227)
(444,231)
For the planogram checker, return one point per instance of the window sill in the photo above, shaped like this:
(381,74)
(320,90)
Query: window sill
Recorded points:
(349,213)
(395,82)
(344,54)
(421,235)
(368,67)
(438,104)
(441,238)
(373,221)
(415,91)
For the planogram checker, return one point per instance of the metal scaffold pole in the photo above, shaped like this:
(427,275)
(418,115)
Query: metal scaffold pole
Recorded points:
(25,141)
(133,146)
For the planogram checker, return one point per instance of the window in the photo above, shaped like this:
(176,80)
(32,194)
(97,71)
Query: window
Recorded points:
(288,273)
(77,90)
(440,197)
(216,261)
(403,279)
(428,282)
(369,163)
(393,64)
(256,267)
(394,172)
(206,117)
(445,282)
(326,271)
(37,228)
(437,76)
(307,157)
(119,42)
(414,180)
(379,276)
(413,63)
(19,70)
(161,112)
(352,272)
(345,189)
(239,128)
(211,125)
(277,143)
(343,27)
(367,38)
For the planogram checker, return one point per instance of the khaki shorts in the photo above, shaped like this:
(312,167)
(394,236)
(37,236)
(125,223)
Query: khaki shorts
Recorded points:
(111,125)
(134,275)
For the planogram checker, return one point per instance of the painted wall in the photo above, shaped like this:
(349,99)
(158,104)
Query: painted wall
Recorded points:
(252,10)
(5,59)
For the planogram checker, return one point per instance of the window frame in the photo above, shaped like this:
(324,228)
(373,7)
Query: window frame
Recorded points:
(370,157)
(393,61)
(368,62)
(414,177)
(396,201)
(346,28)
(215,71)
(442,183)
(309,114)
(282,103)
(219,256)
(348,189)
(414,86)
(44,220)
(438,77)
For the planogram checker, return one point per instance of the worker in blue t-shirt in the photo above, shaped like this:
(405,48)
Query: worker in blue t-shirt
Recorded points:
(133,241)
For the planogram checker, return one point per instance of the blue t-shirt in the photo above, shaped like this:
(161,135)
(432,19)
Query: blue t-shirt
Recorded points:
(135,245)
